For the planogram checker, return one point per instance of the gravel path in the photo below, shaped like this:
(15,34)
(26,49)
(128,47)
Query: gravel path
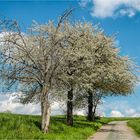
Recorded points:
(117,130)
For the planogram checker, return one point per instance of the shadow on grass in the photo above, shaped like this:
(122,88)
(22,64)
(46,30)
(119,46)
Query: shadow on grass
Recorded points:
(37,124)
(84,125)
(59,121)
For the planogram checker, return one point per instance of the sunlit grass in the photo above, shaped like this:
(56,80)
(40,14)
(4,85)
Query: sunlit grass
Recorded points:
(135,124)
(14,126)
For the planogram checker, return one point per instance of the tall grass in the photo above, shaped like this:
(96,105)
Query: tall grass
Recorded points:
(14,126)
(135,124)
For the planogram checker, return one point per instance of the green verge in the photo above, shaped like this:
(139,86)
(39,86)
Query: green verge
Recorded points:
(135,125)
(15,126)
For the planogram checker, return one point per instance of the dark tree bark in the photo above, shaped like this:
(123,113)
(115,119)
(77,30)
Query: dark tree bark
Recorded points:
(70,107)
(94,112)
(90,106)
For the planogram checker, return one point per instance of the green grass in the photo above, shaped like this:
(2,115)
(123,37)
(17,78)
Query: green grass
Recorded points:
(135,124)
(14,126)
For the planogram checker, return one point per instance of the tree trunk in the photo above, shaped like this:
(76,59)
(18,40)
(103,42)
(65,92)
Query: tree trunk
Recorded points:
(94,113)
(45,112)
(70,108)
(90,106)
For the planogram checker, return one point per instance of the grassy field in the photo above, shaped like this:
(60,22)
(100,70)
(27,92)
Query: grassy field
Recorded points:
(14,126)
(135,124)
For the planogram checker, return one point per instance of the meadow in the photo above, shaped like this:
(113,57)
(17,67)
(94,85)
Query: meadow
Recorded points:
(135,124)
(15,126)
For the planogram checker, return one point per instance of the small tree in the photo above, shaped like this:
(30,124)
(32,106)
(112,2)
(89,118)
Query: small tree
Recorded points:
(112,73)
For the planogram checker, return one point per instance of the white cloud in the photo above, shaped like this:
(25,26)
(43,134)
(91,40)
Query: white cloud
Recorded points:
(113,8)
(121,108)
(129,12)
(80,112)
(132,113)
(83,3)
(115,113)
(8,103)
(57,109)
(136,115)
(127,113)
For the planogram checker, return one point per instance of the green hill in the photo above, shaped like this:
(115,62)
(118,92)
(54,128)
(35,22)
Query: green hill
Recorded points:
(14,126)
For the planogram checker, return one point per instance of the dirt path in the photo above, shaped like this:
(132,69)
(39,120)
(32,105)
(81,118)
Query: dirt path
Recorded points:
(117,130)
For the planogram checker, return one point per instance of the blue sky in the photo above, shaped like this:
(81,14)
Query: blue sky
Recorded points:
(120,17)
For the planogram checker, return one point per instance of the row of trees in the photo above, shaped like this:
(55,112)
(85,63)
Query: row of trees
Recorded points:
(74,62)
